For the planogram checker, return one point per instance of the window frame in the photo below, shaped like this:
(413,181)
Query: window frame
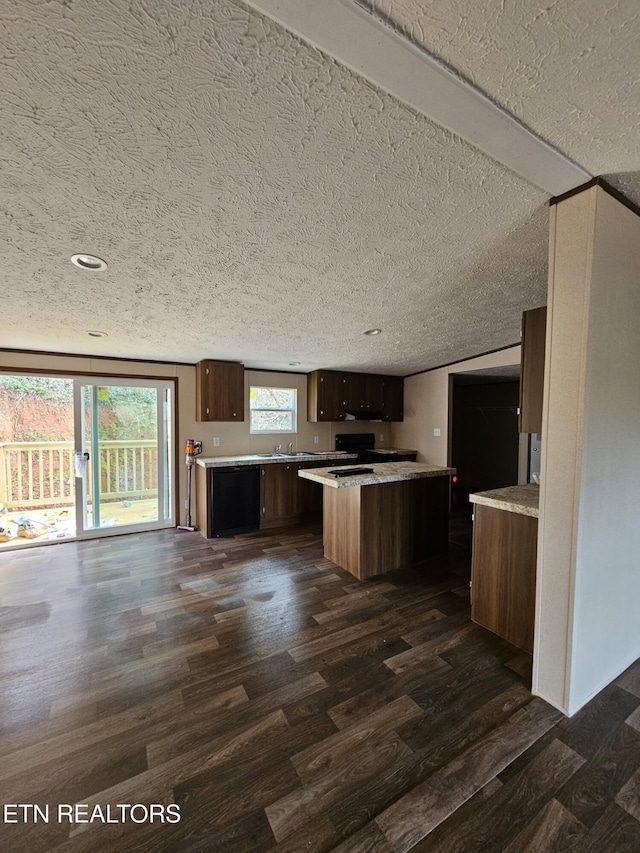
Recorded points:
(294,411)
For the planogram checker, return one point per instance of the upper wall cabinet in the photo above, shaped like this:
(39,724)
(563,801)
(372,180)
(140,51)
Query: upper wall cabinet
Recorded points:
(219,391)
(332,392)
(534,329)
(326,390)
(363,392)
(393,398)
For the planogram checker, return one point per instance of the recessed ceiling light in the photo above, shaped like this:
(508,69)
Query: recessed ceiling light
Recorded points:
(372,332)
(94,333)
(89,262)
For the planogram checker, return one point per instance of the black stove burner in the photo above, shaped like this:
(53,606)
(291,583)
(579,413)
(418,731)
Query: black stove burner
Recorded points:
(363,443)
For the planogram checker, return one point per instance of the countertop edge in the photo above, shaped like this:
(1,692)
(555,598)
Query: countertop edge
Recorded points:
(255,459)
(377,477)
(506,504)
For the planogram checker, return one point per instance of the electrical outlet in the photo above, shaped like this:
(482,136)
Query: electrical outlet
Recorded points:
(436,432)
(186,504)
(316,439)
(381,437)
(216,442)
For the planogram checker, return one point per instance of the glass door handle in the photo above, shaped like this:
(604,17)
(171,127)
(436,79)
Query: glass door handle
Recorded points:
(81,460)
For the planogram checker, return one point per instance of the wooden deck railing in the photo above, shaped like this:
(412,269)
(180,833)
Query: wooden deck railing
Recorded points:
(37,474)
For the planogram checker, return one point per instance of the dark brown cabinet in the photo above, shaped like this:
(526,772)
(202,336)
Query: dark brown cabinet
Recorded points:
(326,395)
(332,392)
(277,491)
(309,494)
(219,391)
(393,398)
(534,328)
(285,497)
(363,392)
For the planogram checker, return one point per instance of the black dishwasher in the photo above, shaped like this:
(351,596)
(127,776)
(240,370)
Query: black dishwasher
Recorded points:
(234,499)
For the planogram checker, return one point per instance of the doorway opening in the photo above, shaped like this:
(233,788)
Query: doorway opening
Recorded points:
(82,458)
(485,443)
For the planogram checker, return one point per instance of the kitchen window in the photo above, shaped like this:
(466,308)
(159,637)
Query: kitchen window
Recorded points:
(273,410)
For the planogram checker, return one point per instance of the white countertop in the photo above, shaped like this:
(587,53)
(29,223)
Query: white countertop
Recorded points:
(383,472)
(268,459)
(523,500)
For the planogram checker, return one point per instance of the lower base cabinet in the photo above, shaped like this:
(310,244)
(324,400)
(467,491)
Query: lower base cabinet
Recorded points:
(277,499)
(284,497)
(503,574)
(308,493)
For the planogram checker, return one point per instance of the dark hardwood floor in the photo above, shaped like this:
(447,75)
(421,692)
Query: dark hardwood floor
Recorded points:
(285,706)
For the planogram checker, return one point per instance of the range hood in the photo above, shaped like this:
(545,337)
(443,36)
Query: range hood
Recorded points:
(362,415)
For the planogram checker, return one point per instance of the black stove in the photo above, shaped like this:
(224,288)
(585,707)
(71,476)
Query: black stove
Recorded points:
(364,444)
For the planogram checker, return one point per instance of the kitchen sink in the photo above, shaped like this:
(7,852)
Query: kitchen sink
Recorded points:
(286,455)
(282,455)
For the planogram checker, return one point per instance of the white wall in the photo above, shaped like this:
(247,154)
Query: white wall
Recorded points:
(426,406)
(588,590)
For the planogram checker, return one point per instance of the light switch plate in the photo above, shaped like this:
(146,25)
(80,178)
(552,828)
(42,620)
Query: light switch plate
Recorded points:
(216,442)
(316,439)
(436,432)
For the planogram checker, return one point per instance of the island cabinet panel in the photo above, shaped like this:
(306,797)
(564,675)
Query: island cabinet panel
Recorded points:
(326,395)
(341,528)
(374,529)
(393,398)
(364,392)
(534,328)
(503,573)
(219,391)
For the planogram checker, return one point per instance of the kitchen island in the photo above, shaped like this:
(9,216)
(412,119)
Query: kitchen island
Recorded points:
(393,517)
(503,562)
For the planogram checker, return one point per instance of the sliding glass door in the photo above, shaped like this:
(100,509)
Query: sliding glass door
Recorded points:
(125,430)
(37,484)
(80,459)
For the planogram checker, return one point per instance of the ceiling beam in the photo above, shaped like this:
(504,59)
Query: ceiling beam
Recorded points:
(373,49)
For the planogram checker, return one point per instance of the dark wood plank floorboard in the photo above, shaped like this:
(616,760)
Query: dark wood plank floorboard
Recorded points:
(285,707)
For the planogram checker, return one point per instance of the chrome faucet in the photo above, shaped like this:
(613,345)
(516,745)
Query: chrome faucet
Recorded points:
(278,448)
(290,447)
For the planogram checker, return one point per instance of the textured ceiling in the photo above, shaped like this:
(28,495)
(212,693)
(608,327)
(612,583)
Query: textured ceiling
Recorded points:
(568,69)
(254,199)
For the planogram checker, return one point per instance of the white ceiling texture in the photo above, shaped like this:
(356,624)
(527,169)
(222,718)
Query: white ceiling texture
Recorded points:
(260,195)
